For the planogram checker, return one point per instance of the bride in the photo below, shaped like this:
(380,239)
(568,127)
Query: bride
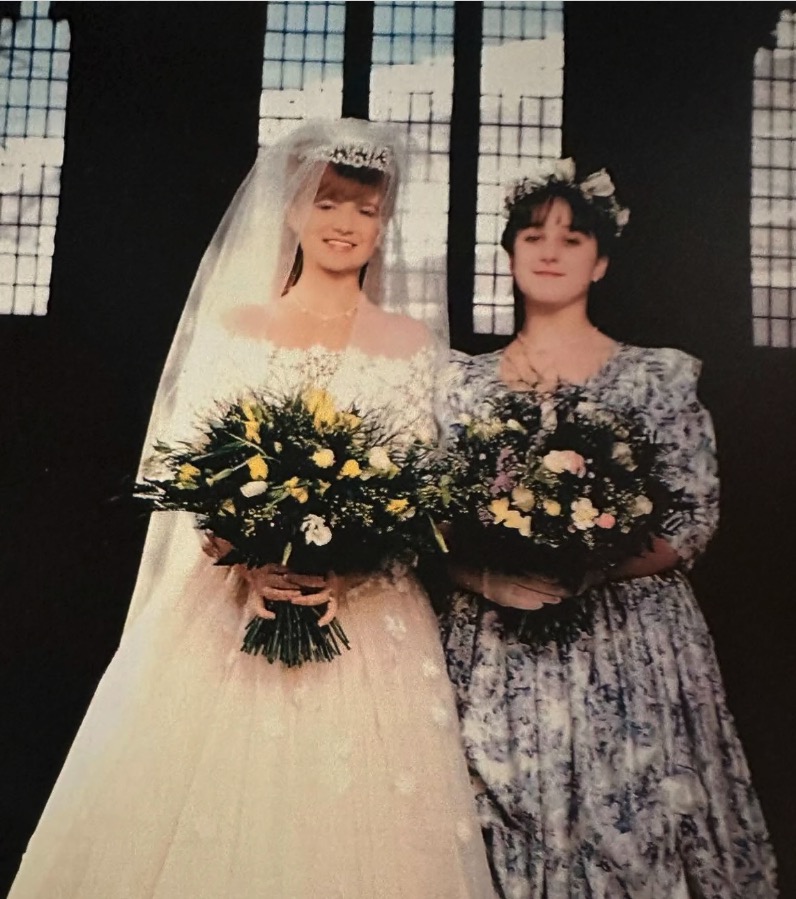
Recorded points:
(200,771)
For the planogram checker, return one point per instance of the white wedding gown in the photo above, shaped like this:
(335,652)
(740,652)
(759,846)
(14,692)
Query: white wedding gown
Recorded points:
(201,772)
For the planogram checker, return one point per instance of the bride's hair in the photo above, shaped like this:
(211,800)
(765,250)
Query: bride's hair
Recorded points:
(341,183)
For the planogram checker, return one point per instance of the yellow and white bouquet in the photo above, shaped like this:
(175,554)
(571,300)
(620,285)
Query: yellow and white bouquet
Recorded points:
(299,482)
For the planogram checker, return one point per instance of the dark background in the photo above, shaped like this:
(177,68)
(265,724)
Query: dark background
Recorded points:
(161,127)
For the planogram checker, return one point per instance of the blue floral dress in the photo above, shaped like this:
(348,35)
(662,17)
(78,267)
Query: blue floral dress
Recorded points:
(610,767)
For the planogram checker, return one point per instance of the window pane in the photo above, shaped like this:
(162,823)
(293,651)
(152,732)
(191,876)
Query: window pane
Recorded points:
(302,65)
(522,82)
(412,85)
(32,124)
(773,237)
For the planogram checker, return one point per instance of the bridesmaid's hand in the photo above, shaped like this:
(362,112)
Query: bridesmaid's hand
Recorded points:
(514,592)
(518,592)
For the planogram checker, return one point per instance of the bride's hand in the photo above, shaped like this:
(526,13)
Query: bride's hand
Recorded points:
(328,593)
(269,582)
(215,547)
(279,584)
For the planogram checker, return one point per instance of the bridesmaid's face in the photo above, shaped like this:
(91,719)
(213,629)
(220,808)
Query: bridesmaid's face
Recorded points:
(553,264)
(342,228)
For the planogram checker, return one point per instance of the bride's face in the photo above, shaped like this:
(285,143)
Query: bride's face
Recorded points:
(342,227)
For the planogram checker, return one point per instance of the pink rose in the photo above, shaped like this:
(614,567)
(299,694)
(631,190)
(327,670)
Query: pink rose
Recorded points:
(606,520)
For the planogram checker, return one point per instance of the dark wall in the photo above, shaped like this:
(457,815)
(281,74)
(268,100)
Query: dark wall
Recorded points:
(660,93)
(161,128)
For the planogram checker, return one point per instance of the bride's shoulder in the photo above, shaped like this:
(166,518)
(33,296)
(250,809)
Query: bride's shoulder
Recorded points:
(397,334)
(251,321)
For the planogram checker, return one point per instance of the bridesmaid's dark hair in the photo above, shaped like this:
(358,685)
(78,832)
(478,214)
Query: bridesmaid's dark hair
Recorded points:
(587,217)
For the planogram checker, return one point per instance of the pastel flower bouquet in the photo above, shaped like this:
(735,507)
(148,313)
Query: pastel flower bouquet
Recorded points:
(560,489)
(298,482)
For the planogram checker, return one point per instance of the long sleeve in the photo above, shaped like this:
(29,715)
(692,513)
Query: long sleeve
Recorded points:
(680,421)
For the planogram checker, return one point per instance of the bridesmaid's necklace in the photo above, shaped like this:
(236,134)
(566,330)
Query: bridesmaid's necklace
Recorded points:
(549,380)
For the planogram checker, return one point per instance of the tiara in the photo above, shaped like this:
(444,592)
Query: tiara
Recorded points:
(358,155)
(597,189)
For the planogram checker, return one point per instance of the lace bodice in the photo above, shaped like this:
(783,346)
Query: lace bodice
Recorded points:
(399,390)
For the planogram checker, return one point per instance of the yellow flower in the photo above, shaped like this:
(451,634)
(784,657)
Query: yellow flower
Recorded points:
(321,406)
(297,492)
(350,469)
(323,458)
(187,473)
(397,506)
(252,430)
(228,506)
(510,518)
(351,421)
(248,408)
(251,422)
(258,468)
(552,507)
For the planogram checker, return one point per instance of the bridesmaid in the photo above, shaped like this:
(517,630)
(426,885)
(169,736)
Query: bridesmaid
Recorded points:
(608,766)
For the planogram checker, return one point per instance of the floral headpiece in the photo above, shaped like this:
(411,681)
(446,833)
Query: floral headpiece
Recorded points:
(358,155)
(597,189)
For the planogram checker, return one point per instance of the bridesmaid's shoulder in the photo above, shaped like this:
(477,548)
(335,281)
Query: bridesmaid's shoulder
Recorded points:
(661,368)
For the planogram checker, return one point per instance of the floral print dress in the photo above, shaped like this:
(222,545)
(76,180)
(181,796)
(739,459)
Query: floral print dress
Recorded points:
(610,767)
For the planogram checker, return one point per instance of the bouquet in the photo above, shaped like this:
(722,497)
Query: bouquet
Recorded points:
(296,480)
(561,489)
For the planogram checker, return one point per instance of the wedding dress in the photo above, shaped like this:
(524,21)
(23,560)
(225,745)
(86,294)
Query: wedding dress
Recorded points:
(201,772)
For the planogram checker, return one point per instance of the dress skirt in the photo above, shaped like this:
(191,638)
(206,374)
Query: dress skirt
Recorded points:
(201,772)
(611,768)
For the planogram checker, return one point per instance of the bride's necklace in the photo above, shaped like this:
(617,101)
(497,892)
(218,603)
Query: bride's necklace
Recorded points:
(326,316)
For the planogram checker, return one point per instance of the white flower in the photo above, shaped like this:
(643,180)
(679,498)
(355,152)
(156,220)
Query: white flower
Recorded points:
(440,715)
(622,218)
(598,184)
(641,505)
(559,461)
(564,170)
(623,454)
(523,498)
(315,530)
(464,832)
(378,459)
(253,488)
(583,513)
(395,627)
(430,668)
(549,417)
(405,783)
